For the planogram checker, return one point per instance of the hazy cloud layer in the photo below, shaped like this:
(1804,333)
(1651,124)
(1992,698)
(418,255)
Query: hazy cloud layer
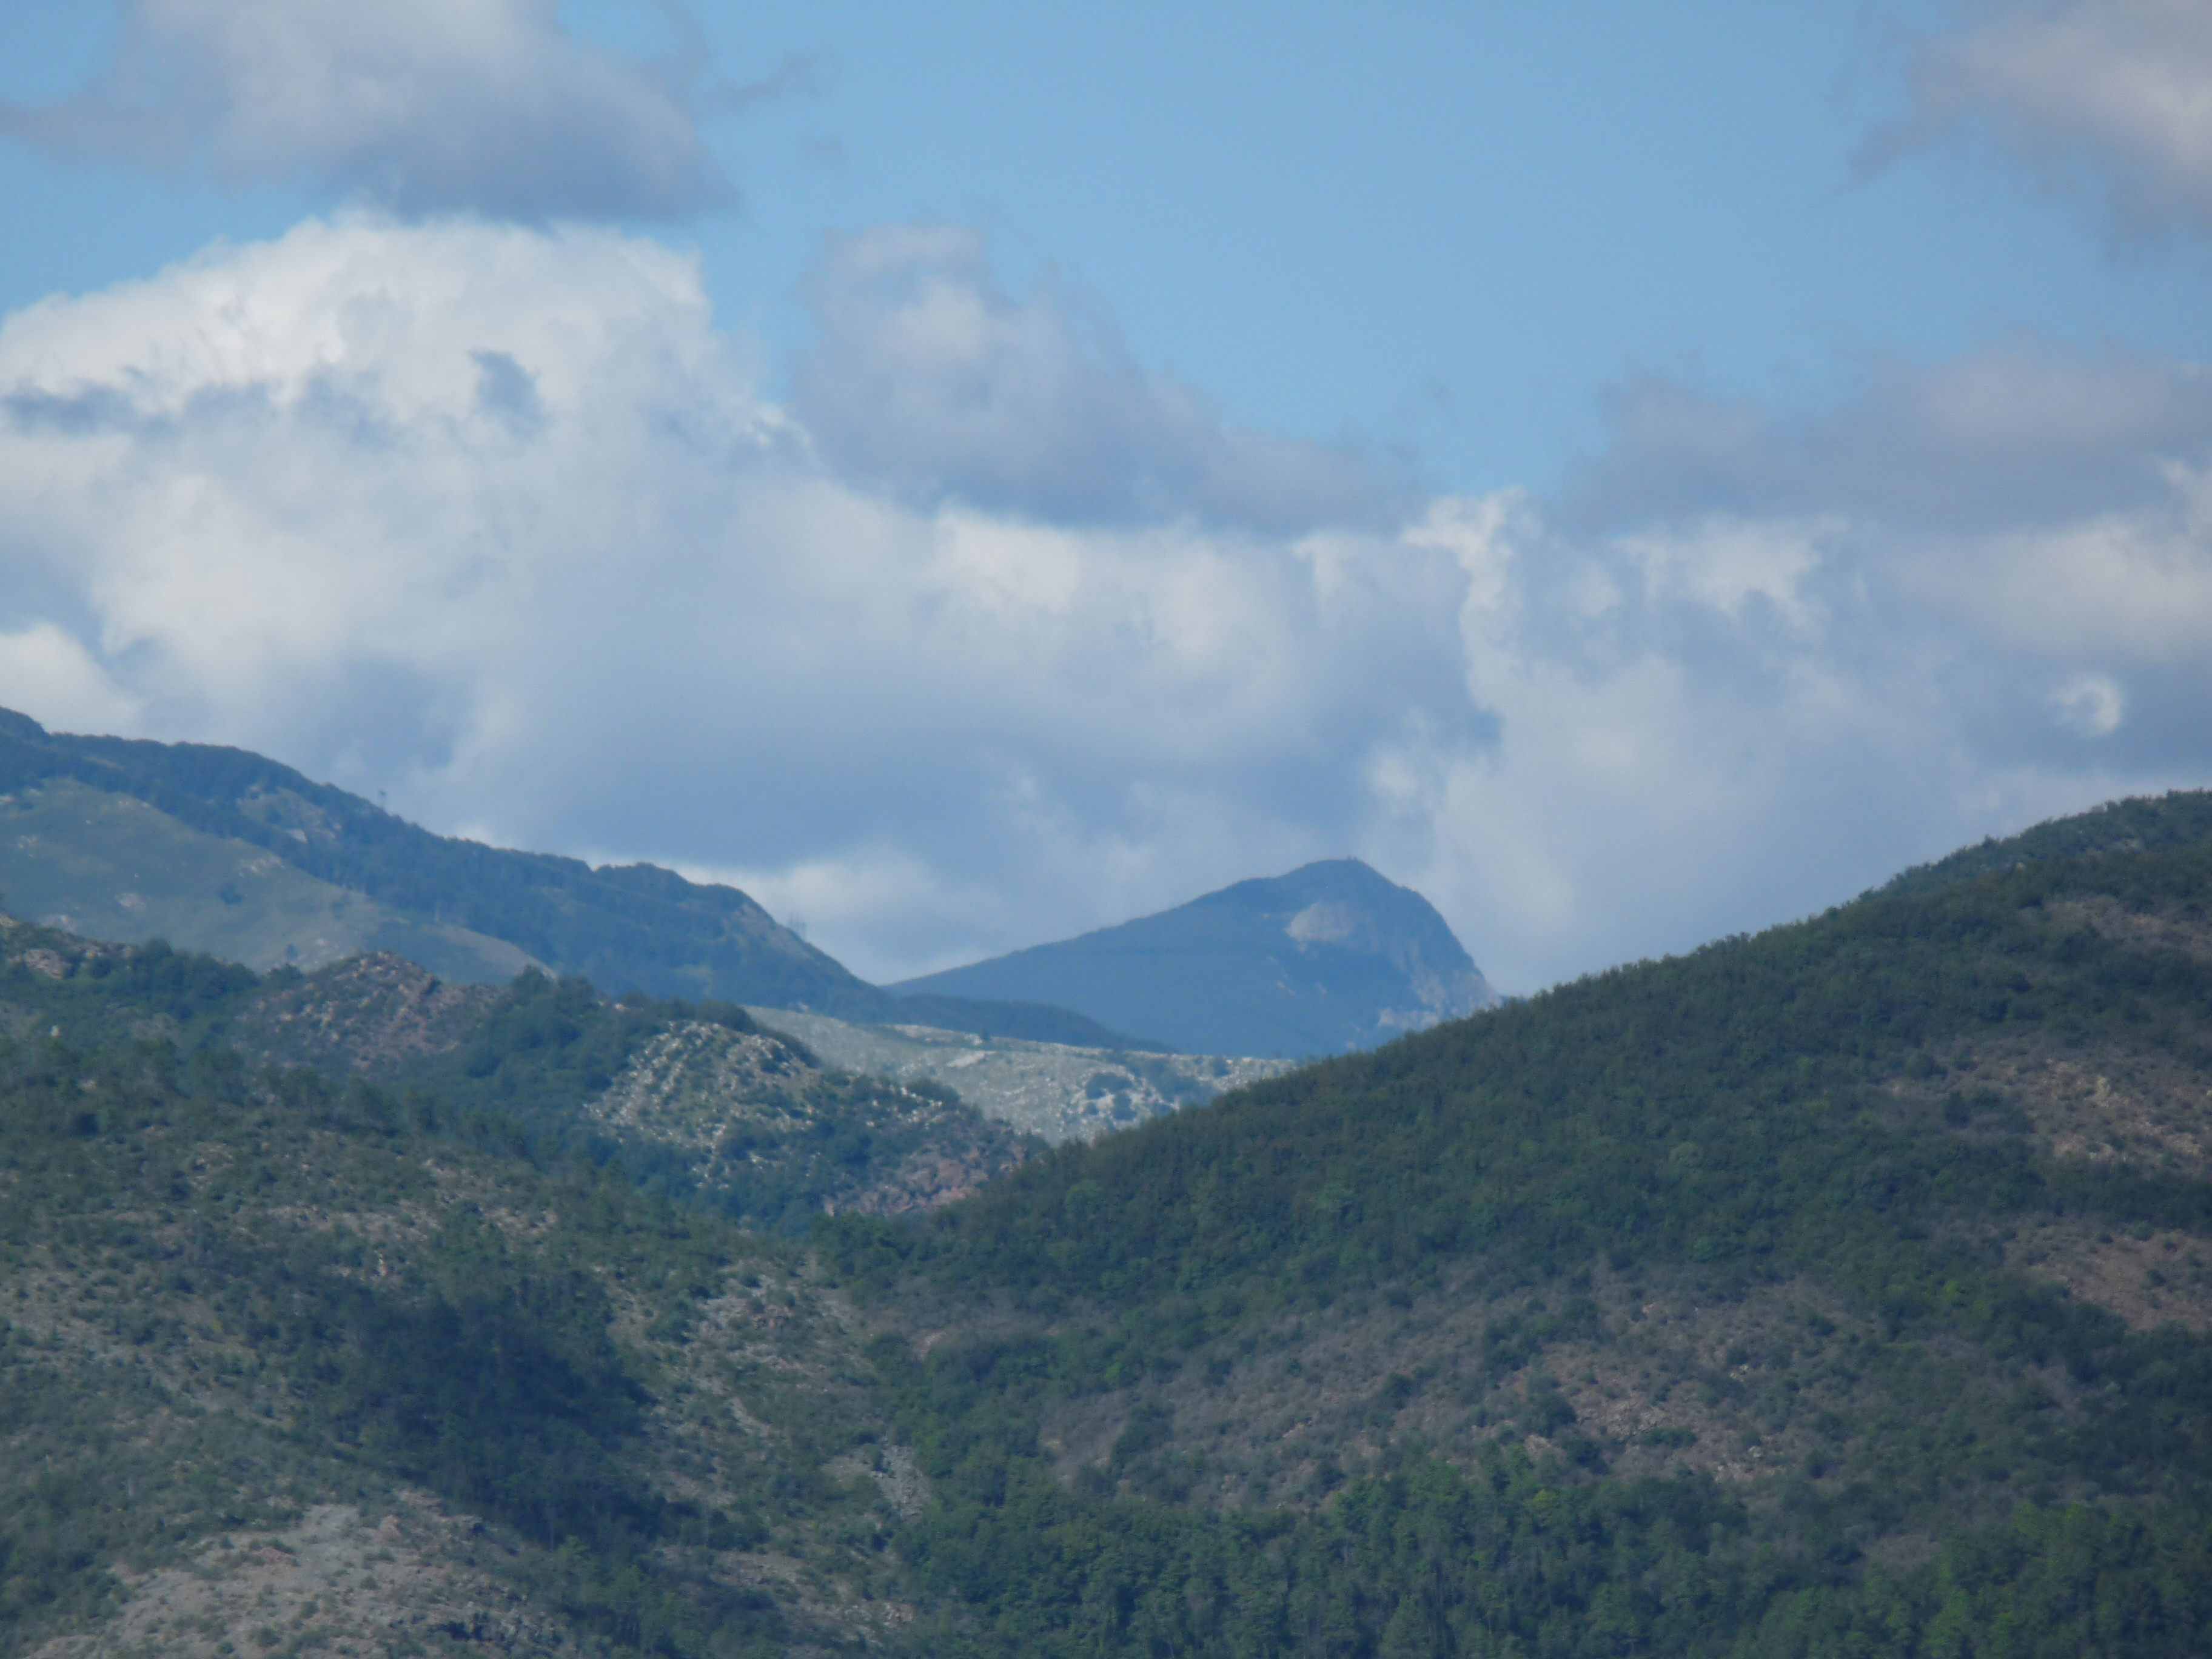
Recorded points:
(499,520)
(420,105)
(2110,93)
(2021,433)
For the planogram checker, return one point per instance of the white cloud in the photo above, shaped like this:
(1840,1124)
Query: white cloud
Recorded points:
(2090,704)
(420,105)
(50,677)
(2135,583)
(906,907)
(288,485)
(2115,90)
(500,522)
(1728,565)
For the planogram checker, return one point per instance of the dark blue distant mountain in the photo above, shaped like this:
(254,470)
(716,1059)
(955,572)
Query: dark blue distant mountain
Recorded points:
(1328,958)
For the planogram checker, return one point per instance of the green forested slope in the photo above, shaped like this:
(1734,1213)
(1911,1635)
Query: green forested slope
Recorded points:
(692,1102)
(1841,1291)
(1729,1107)
(2141,824)
(234,1307)
(1844,1161)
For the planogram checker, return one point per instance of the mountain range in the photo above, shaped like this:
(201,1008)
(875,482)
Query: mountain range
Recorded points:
(1844,1289)
(225,851)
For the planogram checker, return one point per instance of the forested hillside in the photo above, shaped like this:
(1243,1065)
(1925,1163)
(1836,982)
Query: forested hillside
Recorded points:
(1842,1288)
(695,1102)
(1840,1291)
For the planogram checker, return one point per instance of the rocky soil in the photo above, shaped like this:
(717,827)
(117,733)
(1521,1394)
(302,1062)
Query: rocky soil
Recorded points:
(1049,1089)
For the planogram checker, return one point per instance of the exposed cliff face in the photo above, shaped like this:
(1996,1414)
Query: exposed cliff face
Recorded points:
(1329,957)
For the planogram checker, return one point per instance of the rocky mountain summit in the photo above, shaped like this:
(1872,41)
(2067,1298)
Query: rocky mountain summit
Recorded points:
(1330,958)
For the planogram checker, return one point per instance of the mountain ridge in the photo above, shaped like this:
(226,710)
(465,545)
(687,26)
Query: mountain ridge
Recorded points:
(303,860)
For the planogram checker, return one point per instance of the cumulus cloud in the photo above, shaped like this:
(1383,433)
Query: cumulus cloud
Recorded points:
(499,520)
(420,106)
(502,521)
(927,379)
(2090,703)
(44,667)
(2044,514)
(2113,92)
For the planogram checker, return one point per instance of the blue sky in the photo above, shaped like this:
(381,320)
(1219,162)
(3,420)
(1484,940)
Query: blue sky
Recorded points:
(975,472)
(1440,229)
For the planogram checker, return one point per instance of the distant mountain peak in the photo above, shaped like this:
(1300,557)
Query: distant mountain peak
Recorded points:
(1330,957)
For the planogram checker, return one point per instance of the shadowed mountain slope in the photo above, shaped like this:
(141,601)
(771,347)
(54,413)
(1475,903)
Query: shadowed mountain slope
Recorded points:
(1328,958)
(225,851)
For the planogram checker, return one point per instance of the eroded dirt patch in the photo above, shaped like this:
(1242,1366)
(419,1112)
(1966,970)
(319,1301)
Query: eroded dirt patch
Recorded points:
(1642,1376)
(2160,1277)
(2156,930)
(2103,1103)
(336,1581)
(367,1013)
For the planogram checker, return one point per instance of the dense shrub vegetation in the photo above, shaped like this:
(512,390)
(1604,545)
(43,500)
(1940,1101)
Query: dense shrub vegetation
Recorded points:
(1829,1116)
(1801,1108)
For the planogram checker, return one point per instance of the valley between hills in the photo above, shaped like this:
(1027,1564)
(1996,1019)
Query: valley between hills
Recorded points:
(1841,1290)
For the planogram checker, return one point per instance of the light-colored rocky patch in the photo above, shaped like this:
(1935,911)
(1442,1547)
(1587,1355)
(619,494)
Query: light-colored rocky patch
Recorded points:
(897,1478)
(2120,1108)
(2158,1277)
(458,1189)
(2102,1104)
(336,1581)
(927,1181)
(1053,1091)
(737,1100)
(691,1083)
(2154,930)
(2088,1115)
(368,1011)
(83,1309)
(50,964)
(1662,1377)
